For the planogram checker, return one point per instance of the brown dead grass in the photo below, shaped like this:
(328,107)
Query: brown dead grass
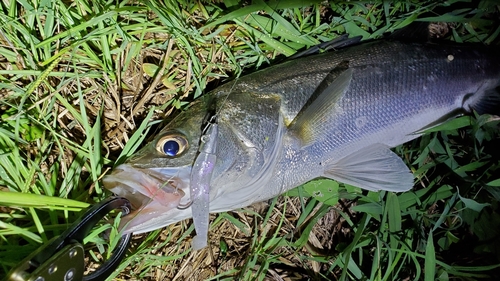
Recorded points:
(327,233)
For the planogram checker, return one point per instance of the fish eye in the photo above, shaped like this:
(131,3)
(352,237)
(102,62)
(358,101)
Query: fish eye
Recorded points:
(172,145)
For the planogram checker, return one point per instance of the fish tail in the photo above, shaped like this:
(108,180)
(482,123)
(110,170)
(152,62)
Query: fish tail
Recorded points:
(486,103)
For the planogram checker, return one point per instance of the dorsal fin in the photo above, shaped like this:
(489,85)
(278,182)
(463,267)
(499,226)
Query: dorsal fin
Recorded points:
(337,43)
(417,31)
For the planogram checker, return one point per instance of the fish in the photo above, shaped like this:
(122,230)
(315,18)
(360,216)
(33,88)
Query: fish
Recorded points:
(333,115)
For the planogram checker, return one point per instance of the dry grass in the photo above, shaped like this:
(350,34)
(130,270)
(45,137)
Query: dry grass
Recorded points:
(328,232)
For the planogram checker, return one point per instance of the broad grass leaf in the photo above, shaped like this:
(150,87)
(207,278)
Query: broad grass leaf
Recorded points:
(354,269)
(443,276)
(446,241)
(430,259)
(394,212)
(446,211)
(19,199)
(20,231)
(306,230)
(452,124)
(275,44)
(167,83)
(373,209)
(354,189)
(442,193)
(494,191)
(241,226)
(296,192)
(471,167)
(351,192)
(255,7)
(472,204)
(493,36)
(495,183)
(323,190)
(408,199)
(136,140)
(150,69)
(230,3)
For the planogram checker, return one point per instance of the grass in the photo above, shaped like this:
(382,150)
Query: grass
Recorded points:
(82,86)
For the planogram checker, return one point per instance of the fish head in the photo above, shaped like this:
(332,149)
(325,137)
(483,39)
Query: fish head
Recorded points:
(156,178)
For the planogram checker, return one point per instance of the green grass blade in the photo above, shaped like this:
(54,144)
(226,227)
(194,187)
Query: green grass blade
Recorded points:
(430,259)
(17,199)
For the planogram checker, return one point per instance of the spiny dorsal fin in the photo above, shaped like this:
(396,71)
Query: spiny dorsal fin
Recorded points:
(337,43)
(417,31)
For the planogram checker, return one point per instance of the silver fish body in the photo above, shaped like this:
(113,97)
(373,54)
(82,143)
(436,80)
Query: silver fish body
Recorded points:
(331,115)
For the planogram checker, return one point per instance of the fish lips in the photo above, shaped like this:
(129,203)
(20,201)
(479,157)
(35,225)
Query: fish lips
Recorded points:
(158,188)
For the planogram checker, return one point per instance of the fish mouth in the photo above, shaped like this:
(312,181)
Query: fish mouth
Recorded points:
(149,190)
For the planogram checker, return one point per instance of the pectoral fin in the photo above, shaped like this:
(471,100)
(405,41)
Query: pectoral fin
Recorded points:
(374,168)
(321,106)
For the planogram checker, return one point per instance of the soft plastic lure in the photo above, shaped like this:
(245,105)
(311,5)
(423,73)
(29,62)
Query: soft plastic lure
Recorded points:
(201,175)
